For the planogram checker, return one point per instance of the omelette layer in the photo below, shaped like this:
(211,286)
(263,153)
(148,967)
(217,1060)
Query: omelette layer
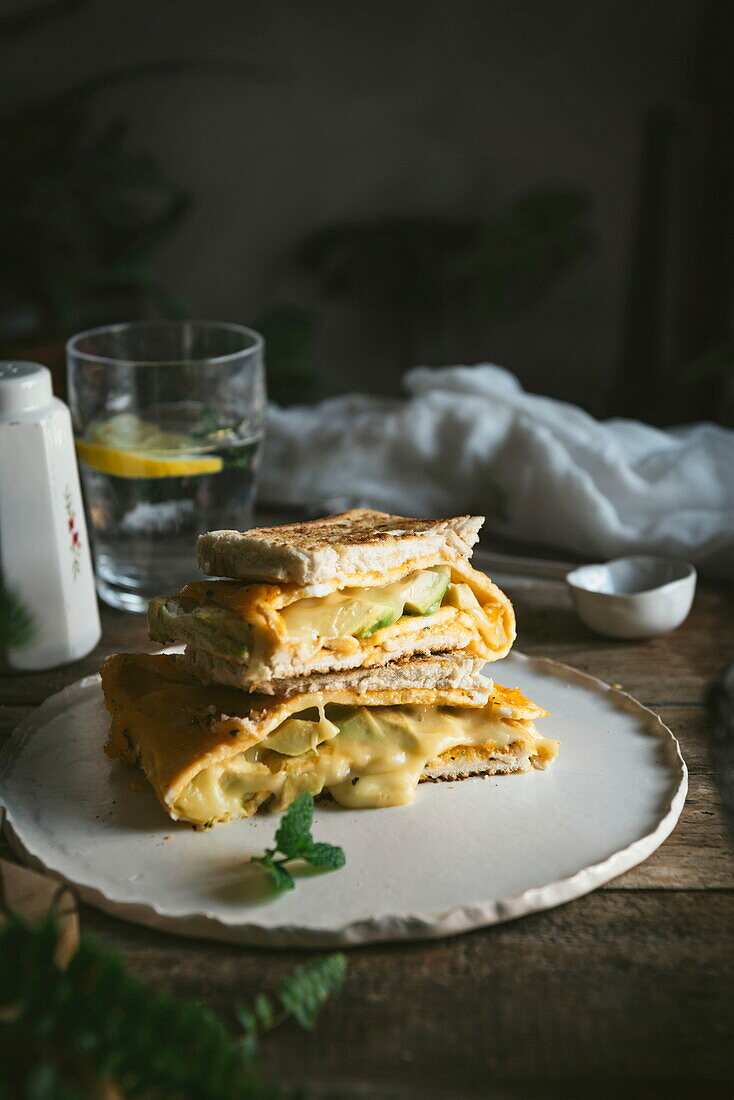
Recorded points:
(215,754)
(269,632)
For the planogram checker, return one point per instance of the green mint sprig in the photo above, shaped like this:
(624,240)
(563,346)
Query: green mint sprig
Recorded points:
(293,840)
(302,995)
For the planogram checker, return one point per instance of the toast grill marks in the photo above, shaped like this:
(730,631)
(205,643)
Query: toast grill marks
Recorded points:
(340,548)
(215,754)
(439,671)
(240,636)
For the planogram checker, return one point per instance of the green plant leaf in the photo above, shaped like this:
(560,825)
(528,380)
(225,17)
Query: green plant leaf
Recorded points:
(526,247)
(278,873)
(304,992)
(330,857)
(294,841)
(293,837)
(713,363)
(72,1027)
(82,213)
(289,334)
(264,1010)
(245,1017)
(17,624)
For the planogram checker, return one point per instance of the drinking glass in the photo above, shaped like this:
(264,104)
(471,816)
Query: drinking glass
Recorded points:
(168,421)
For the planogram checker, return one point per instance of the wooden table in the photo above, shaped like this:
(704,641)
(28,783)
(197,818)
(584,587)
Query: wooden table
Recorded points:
(628,991)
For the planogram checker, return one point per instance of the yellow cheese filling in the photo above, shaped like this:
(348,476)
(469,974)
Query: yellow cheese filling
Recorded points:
(361,612)
(246,623)
(364,756)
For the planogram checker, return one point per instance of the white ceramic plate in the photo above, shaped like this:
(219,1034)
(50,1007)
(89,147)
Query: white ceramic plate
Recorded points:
(463,855)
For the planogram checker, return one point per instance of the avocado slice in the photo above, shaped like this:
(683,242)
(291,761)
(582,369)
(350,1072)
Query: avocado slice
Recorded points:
(425,590)
(360,616)
(362,612)
(379,615)
(432,610)
(296,736)
(461,596)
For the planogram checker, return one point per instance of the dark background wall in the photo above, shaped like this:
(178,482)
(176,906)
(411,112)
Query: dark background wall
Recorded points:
(442,111)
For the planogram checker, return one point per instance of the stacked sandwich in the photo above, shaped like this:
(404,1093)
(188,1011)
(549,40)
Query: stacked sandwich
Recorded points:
(343,655)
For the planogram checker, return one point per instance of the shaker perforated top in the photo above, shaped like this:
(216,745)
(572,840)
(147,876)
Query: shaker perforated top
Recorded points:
(23,386)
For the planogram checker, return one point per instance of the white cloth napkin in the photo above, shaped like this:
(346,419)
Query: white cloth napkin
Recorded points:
(469,439)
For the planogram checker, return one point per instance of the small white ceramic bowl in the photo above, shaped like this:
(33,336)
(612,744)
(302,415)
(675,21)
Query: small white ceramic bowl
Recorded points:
(636,597)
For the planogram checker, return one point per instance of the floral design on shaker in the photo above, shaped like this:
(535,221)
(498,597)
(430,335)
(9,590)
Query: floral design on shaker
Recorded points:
(76,543)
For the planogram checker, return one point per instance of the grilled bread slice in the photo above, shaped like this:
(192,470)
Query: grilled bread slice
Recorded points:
(439,671)
(338,551)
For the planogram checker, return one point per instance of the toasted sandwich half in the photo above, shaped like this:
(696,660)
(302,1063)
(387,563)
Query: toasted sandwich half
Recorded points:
(215,754)
(356,590)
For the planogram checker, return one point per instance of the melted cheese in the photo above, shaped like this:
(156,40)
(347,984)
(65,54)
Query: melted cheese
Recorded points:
(362,611)
(364,756)
(332,621)
(266,627)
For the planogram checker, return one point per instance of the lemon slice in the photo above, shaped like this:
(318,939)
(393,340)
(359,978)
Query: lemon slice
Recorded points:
(126,446)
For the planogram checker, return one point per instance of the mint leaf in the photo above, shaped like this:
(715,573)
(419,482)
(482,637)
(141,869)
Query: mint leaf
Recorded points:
(328,856)
(280,876)
(294,841)
(293,837)
(304,992)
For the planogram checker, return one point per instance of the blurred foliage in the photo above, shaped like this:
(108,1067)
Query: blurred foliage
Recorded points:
(525,249)
(17,624)
(715,363)
(396,268)
(289,334)
(397,259)
(82,217)
(420,271)
(91,1028)
(81,214)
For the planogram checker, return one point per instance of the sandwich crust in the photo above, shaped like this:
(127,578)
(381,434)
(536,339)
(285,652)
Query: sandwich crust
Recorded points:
(469,762)
(440,671)
(339,548)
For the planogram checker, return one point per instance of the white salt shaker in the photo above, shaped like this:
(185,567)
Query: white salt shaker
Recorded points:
(45,564)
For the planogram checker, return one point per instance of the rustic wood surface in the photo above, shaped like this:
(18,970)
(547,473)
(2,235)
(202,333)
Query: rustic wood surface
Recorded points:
(628,991)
